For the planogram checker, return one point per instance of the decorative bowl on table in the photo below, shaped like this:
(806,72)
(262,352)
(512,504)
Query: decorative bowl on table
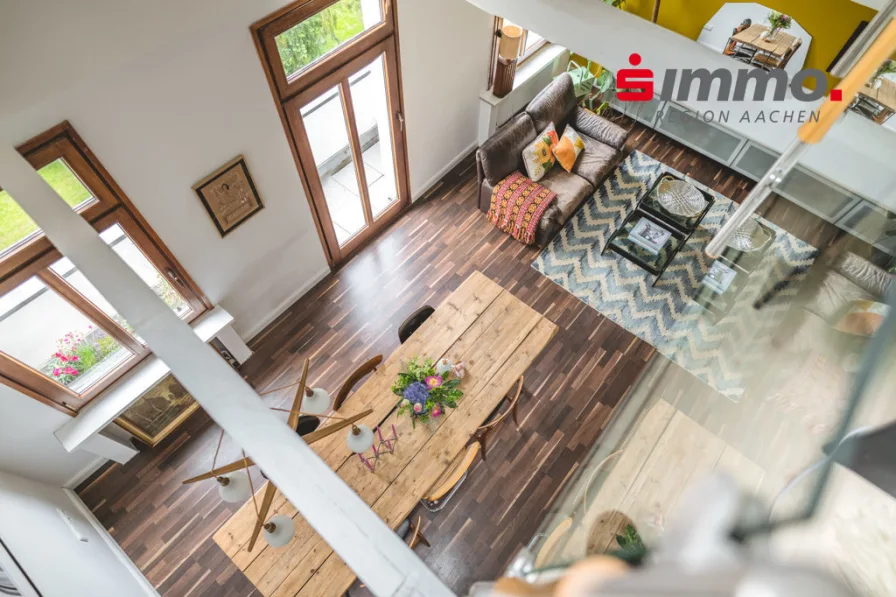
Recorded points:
(749,237)
(680,197)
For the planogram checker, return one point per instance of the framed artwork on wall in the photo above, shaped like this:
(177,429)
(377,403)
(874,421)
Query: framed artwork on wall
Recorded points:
(158,412)
(13,580)
(229,195)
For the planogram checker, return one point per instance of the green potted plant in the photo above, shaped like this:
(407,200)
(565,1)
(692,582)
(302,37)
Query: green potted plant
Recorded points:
(887,68)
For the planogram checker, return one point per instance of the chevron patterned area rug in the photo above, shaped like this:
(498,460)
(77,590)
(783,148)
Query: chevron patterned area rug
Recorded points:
(721,354)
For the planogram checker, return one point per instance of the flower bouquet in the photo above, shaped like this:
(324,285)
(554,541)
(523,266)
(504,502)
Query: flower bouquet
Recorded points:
(426,390)
(777,21)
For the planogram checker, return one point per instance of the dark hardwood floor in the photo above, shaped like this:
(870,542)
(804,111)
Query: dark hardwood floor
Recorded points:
(353,314)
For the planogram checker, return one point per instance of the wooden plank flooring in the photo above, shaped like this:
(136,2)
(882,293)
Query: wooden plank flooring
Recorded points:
(353,314)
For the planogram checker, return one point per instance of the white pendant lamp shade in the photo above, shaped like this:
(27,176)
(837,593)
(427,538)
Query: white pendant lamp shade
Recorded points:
(316,402)
(234,487)
(279,530)
(359,438)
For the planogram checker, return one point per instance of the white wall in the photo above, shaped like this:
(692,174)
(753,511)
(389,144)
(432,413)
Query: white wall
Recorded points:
(27,444)
(166,92)
(58,563)
(445,48)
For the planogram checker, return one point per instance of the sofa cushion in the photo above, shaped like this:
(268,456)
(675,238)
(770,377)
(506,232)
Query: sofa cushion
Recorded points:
(834,296)
(568,148)
(864,274)
(595,162)
(538,156)
(599,128)
(553,104)
(571,191)
(500,154)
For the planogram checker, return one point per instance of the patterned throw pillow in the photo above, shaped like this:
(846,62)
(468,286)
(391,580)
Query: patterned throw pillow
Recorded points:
(569,148)
(863,318)
(537,156)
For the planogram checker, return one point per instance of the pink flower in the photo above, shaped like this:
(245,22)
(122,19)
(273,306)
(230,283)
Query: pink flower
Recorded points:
(436,412)
(433,381)
(70,371)
(56,372)
(73,358)
(418,408)
(64,359)
(58,355)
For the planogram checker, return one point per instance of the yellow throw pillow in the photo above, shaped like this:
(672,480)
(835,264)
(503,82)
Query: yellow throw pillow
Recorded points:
(863,318)
(537,156)
(568,149)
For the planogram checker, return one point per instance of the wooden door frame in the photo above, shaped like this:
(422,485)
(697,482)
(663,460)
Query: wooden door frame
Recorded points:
(263,32)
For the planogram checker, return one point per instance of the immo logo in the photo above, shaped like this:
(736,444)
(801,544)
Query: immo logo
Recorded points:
(636,85)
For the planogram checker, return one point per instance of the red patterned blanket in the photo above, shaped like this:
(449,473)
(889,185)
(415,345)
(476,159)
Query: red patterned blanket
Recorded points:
(517,206)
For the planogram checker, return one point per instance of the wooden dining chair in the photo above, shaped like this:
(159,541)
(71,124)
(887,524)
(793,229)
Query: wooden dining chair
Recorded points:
(447,485)
(352,380)
(413,322)
(481,435)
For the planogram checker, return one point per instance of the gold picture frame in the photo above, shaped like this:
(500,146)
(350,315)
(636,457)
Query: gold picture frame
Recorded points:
(229,195)
(158,412)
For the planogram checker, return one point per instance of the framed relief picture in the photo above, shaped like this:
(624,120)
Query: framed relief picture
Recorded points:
(229,195)
(159,411)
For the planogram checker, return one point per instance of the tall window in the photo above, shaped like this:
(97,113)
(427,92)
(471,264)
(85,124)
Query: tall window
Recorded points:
(61,342)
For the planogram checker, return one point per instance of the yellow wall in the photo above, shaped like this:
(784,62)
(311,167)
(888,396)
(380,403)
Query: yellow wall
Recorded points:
(829,22)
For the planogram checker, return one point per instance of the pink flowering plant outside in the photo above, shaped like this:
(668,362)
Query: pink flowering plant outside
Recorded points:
(425,392)
(76,353)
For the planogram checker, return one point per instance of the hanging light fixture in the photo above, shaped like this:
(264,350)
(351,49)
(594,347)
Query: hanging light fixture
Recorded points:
(359,438)
(234,487)
(279,530)
(316,402)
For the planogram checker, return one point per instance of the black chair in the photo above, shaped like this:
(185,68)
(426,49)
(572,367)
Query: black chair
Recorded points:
(412,323)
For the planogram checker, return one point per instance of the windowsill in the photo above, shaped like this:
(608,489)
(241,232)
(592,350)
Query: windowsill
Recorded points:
(525,71)
(105,408)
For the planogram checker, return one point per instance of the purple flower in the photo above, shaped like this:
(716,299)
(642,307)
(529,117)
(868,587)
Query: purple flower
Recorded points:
(433,381)
(416,393)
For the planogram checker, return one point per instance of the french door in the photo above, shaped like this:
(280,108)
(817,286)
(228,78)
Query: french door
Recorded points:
(352,153)
(333,66)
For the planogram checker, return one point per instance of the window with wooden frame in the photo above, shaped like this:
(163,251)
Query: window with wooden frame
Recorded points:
(61,342)
(532,42)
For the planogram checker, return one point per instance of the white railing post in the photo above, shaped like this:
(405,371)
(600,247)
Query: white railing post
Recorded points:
(376,554)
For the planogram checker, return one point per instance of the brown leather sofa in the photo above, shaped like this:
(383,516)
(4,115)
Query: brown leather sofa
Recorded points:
(501,154)
(826,296)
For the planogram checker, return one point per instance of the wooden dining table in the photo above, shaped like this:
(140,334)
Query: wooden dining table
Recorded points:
(498,337)
(885,96)
(752,37)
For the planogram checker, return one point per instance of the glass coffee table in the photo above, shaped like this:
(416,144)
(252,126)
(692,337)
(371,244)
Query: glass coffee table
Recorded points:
(717,299)
(670,230)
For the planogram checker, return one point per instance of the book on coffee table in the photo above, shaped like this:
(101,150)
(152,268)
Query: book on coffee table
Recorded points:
(719,277)
(649,235)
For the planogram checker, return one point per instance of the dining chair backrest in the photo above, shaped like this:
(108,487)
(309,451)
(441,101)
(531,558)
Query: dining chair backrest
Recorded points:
(481,435)
(446,485)
(350,382)
(413,322)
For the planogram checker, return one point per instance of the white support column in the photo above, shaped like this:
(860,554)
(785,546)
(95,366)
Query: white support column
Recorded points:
(376,554)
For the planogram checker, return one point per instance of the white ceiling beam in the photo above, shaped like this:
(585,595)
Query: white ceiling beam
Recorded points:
(377,555)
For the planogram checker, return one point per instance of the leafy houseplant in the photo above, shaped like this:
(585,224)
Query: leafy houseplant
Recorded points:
(631,547)
(425,389)
(887,68)
(76,354)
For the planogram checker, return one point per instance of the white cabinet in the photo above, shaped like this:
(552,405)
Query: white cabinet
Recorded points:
(643,112)
(754,161)
(706,137)
(819,196)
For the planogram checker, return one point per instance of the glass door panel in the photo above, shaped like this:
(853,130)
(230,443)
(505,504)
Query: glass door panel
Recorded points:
(374,122)
(327,129)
